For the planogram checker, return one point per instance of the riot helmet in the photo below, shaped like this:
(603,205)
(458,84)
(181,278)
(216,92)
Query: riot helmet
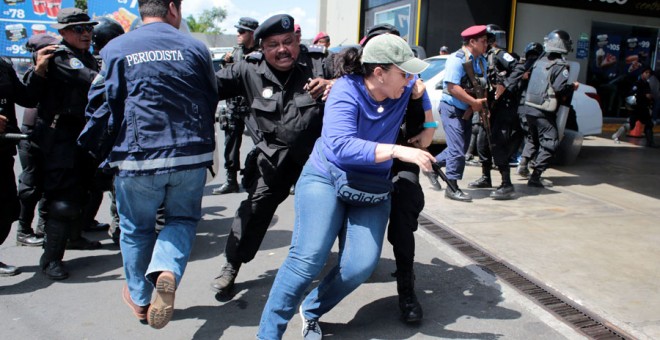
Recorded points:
(496,35)
(106,30)
(558,41)
(533,48)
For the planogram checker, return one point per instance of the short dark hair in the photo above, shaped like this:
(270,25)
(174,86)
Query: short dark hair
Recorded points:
(156,8)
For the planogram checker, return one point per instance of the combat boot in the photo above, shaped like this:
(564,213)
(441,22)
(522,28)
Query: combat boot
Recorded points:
(505,191)
(55,242)
(535,180)
(411,309)
(457,195)
(29,240)
(484,181)
(433,178)
(522,169)
(231,186)
(224,283)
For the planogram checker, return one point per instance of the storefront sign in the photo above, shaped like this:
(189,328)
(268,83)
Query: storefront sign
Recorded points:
(398,17)
(582,50)
(647,8)
(22,19)
(125,12)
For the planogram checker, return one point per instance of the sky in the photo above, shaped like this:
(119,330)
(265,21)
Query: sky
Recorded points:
(304,12)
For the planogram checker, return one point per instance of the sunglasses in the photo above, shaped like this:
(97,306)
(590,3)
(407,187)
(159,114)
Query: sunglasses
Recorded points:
(80,29)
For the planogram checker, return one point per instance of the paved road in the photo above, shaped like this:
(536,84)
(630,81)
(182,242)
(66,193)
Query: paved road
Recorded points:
(592,237)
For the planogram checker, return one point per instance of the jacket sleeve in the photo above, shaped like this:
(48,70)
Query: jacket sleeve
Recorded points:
(230,80)
(69,69)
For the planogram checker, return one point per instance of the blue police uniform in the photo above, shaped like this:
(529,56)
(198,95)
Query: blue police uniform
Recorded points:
(457,130)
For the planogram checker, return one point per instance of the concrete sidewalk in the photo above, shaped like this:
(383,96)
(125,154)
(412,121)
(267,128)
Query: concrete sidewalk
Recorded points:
(593,236)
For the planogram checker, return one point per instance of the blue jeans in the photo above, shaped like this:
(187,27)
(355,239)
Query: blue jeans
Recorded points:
(145,254)
(321,218)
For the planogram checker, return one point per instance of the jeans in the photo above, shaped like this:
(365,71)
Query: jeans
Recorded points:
(145,254)
(321,217)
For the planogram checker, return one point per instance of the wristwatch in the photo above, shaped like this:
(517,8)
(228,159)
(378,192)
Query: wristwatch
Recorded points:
(433,124)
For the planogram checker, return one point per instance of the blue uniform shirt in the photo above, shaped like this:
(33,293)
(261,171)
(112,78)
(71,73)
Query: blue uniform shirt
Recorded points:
(454,72)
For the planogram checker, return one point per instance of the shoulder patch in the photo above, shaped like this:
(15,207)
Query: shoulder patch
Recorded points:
(565,73)
(508,57)
(460,54)
(316,49)
(76,64)
(254,56)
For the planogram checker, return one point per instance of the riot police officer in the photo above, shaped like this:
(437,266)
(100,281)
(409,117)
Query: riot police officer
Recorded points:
(503,119)
(517,83)
(237,108)
(287,109)
(547,91)
(60,119)
(12,91)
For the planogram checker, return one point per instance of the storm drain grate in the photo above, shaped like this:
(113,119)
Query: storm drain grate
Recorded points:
(585,322)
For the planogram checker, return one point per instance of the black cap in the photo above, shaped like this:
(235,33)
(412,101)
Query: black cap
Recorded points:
(39,41)
(377,30)
(277,24)
(72,16)
(247,23)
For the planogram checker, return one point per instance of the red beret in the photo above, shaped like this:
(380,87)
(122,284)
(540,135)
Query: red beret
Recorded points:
(473,32)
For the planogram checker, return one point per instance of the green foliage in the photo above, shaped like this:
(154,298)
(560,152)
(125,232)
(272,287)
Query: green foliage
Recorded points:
(208,21)
(82,4)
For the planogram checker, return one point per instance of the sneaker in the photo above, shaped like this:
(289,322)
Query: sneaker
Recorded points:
(311,330)
(224,283)
(161,310)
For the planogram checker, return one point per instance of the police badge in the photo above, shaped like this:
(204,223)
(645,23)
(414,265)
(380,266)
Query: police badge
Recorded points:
(267,92)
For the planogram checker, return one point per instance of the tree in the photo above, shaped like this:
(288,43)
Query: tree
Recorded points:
(208,21)
(82,4)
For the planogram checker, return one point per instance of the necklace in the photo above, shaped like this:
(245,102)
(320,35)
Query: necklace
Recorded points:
(380,108)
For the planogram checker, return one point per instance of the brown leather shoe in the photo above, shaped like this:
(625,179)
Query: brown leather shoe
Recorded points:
(140,312)
(161,310)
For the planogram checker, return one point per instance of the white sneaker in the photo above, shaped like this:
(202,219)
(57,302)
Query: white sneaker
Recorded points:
(310,328)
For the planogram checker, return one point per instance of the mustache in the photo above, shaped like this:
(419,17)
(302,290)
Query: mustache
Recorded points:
(283,55)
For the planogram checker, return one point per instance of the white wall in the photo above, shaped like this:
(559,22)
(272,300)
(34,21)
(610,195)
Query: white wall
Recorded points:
(533,22)
(340,19)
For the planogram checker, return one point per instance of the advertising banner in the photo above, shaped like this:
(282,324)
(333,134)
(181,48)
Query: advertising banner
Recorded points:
(125,12)
(23,18)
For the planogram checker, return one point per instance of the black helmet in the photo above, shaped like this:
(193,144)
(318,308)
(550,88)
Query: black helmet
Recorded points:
(106,30)
(558,41)
(496,35)
(533,47)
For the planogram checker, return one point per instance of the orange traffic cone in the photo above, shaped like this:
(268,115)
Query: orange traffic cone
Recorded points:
(638,131)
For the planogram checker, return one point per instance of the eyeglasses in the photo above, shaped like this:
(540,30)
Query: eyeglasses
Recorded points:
(80,29)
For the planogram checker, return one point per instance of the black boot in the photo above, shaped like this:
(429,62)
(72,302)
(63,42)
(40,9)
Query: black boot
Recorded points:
(504,191)
(648,133)
(230,186)
(457,195)
(433,178)
(411,310)
(522,169)
(484,181)
(54,244)
(224,283)
(535,180)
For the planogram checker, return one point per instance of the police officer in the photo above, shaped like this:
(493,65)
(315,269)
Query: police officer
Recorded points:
(517,83)
(287,109)
(503,119)
(548,89)
(30,181)
(458,104)
(12,91)
(60,119)
(237,108)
